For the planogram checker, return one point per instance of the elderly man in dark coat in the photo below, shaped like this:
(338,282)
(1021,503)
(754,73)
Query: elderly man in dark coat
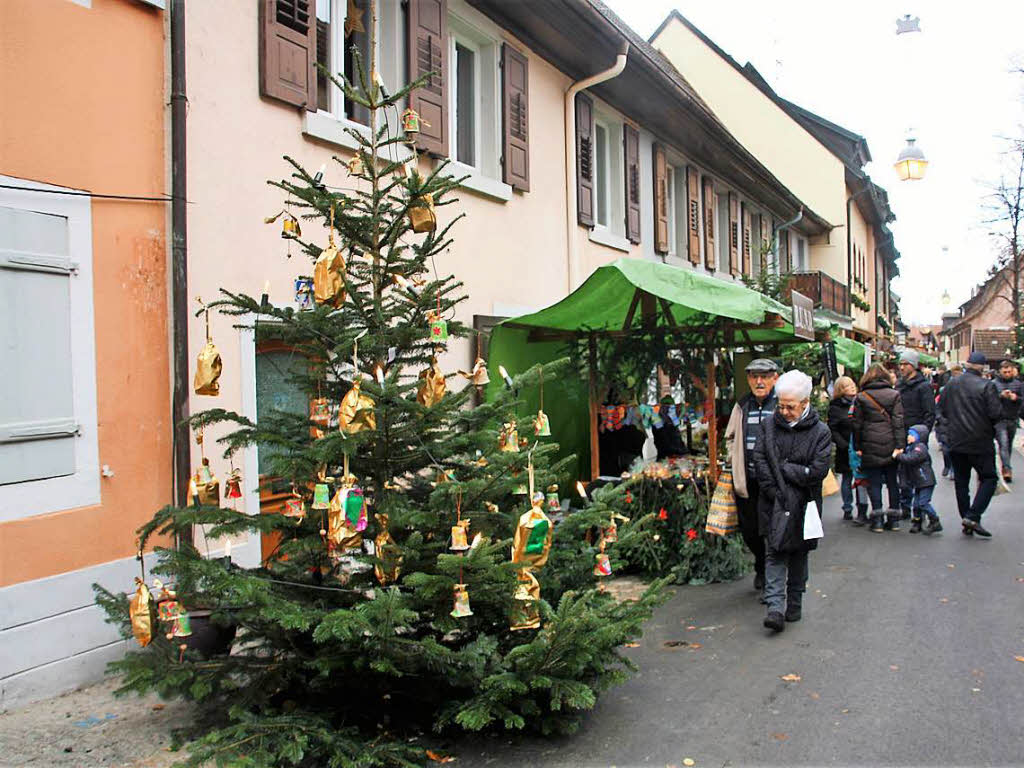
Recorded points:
(790,460)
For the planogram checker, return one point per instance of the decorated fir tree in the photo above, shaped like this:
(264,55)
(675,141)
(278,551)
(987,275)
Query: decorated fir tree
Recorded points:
(414,591)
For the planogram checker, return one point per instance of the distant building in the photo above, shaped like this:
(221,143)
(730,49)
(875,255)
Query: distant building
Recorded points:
(984,323)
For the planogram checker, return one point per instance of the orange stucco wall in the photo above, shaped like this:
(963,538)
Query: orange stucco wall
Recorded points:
(83,97)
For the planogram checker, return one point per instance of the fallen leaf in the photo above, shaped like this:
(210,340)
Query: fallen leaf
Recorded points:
(689,761)
(844,711)
(157,707)
(632,645)
(894,667)
(950,565)
(779,736)
(814,695)
(695,646)
(1019,658)
(439,758)
(790,678)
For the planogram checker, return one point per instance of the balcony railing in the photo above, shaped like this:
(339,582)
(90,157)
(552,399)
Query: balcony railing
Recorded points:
(825,291)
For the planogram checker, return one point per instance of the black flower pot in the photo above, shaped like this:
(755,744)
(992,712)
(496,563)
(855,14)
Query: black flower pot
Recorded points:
(210,638)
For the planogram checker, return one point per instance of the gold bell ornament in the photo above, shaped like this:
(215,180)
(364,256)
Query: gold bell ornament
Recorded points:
(432,385)
(422,217)
(140,614)
(329,273)
(461,608)
(541,425)
(389,556)
(356,411)
(508,438)
(460,536)
(355,165)
(525,613)
(320,415)
(208,364)
(290,229)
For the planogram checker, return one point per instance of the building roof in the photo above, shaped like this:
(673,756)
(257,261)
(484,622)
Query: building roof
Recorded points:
(581,37)
(996,343)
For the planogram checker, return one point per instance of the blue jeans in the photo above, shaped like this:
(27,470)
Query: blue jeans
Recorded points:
(846,489)
(921,503)
(1006,430)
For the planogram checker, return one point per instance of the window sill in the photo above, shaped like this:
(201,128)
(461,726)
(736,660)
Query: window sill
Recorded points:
(602,236)
(477,182)
(325,127)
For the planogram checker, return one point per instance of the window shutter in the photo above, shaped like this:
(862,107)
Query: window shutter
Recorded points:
(709,223)
(631,151)
(693,214)
(428,53)
(660,200)
(747,265)
(766,241)
(515,150)
(734,226)
(288,52)
(584,160)
(37,419)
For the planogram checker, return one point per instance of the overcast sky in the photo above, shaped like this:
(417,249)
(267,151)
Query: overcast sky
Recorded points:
(951,84)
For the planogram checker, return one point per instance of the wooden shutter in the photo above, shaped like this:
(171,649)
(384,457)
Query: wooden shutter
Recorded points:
(631,151)
(515,86)
(709,223)
(766,240)
(37,416)
(584,160)
(693,214)
(428,55)
(288,52)
(747,264)
(734,226)
(660,200)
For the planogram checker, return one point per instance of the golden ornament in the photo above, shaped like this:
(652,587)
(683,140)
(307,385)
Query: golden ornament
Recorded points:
(354,18)
(432,385)
(208,370)
(508,438)
(421,214)
(140,613)
(525,613)
(320,415)
(355,165)
(461,608)
(460,536)
(478,376)
(532,542)
(389,557)
(356,411)
(329,276)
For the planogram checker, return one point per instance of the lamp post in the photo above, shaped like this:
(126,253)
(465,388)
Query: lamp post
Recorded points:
(911,163)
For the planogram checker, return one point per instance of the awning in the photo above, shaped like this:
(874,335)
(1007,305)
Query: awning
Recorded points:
(850,353)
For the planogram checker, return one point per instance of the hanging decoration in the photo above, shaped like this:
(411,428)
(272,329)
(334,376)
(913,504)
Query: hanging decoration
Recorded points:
(554,504)
(432,385)
(355,165)
(233,484)
(329,272)
(320,415)
(203,486)
(354,18)
(209,364)
(508,438)
(460,531)
(389,556)
(169,610)
(140,614)
(346,517)
(356,411)
(461,608)
(304,296)
(478,375)
(290,229)
(410,124)
(321,494)
(294,506)
(541,425)
(525,611)
(438,326)
(422,217)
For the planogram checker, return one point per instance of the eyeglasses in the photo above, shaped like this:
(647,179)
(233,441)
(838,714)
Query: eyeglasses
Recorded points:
(787,408)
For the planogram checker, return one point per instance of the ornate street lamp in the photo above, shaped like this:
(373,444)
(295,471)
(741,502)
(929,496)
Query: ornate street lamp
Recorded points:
(911,163)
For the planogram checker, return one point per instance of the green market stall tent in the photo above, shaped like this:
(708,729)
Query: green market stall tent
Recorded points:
(620,300)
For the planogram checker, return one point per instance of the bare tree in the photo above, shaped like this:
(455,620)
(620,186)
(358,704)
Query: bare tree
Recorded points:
(1006,207)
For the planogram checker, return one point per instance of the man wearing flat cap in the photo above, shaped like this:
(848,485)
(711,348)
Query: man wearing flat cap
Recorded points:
(742,435)
(970,408)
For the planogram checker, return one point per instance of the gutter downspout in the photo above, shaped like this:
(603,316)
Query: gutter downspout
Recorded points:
(570,158)
(792,223)
(179,265)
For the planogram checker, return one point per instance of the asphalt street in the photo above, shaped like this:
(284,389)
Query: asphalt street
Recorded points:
(905,656)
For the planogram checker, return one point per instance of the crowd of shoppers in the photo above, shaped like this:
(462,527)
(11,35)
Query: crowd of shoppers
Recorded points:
(782,452)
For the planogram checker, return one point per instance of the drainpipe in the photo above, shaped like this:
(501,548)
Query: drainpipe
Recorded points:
(792,223)
(179,265)
(570,158)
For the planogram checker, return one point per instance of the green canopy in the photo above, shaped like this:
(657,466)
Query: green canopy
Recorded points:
(931,362)
(716,311)
(695,300)
(849,352)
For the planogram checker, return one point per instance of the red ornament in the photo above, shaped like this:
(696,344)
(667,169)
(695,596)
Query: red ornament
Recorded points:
(662,514)
(691,534)
(629,497)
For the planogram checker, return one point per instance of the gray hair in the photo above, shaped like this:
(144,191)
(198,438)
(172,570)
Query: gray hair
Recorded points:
(794,384)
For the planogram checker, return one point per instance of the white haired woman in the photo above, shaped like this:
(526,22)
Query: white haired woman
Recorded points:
(791,461)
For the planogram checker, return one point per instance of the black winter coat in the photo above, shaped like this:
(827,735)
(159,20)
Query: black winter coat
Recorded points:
(841,424)
(1011,408)
(790,463)
(970,407)
(915,463)
(878,430)
(918,398)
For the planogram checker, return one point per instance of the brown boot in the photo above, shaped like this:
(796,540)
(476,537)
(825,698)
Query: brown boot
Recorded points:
(1007,474)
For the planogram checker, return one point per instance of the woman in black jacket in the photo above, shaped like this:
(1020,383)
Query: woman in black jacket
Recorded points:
(841,423)
(878,431)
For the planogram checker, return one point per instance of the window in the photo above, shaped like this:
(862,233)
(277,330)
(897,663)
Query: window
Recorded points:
(609,185)
(800,260)
(757,255)
(725,237)
(465,100)
(48,436)
(680,215)
(279,371)
(601,181)
(670,205)
(341,34)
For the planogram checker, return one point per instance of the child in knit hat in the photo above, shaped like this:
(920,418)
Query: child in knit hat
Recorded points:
(915,470)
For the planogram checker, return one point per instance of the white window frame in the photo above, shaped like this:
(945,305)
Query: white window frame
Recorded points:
(329,123)
(612,234)
(670,207)
(456,40)
(37,497)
